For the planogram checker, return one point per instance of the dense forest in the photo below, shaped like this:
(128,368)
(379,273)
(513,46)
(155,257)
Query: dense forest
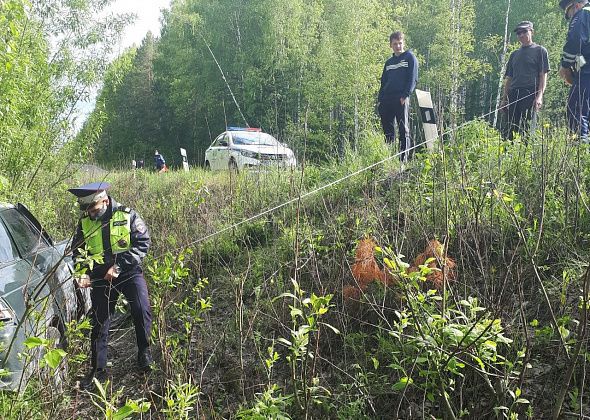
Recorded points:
(348,287)
(286,66)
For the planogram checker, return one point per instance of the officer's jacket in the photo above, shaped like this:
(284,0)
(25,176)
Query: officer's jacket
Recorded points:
(578,41)
(120,237)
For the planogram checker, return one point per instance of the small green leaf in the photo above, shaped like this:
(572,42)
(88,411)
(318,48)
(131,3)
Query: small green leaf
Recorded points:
(284,341)
(54,357)
(32,342)
(123,412)
(479,362)
(336,330)
(296,312)
(403,383)
(375,363)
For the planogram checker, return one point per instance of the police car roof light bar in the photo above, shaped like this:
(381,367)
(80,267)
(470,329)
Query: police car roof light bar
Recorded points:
(243,129)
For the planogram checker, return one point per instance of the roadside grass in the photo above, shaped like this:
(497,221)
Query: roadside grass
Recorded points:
(253,319)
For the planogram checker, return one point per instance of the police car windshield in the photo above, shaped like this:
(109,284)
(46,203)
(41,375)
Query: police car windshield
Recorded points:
(254,138)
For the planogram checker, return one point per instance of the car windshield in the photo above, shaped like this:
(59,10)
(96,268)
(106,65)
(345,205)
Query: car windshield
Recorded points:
(28,239)
(7,250)
(254,138)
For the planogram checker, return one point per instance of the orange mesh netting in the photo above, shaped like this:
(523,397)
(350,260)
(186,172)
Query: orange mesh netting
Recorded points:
(444,267)
(366,270)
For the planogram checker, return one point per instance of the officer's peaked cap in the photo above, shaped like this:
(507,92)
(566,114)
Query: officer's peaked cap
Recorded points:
(91,193)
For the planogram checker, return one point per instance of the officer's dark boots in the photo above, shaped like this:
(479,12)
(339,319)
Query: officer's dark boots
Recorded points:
(101,375)
(145,360)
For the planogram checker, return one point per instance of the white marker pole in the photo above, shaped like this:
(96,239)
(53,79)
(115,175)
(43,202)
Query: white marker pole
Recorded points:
(184,159)
(428,117)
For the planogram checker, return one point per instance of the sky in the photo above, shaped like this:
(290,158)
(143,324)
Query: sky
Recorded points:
(148,18)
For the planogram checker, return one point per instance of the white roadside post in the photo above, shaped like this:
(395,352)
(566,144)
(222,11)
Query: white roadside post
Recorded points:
(428,117)
(184,159)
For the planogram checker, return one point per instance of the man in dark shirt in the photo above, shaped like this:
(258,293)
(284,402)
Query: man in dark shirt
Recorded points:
(525,81)
(398,81)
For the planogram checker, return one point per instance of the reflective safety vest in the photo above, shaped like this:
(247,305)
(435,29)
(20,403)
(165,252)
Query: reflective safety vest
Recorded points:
(120,226)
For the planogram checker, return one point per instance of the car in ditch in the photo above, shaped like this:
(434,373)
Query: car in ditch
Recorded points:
(38,296)
(238,148)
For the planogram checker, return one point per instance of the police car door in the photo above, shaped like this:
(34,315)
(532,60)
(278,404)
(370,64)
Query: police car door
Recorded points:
(224,152)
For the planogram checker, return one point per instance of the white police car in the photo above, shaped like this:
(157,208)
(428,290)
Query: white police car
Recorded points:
(239,148)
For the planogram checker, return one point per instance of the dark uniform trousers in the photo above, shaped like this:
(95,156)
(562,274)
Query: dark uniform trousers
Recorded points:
(520,111)
(390,111)
(578,106)
(104,298)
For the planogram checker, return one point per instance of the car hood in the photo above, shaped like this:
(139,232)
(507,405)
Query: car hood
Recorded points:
(266,150)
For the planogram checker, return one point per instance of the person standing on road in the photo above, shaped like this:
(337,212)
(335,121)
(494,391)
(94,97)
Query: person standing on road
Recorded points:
(524,82)
(110,243)
(160,162)
(398,81)
(575,65)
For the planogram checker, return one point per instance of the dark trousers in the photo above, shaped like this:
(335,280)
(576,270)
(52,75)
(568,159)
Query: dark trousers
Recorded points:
(104,298)
(521,104)
(394,110)
(578,106)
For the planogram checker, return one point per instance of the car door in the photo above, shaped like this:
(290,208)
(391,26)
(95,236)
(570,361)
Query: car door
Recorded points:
(52,276)
(13,272)
(58,268)
(224,151)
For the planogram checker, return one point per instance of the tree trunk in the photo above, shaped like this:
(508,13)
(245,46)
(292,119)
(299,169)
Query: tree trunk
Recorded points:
(503,62)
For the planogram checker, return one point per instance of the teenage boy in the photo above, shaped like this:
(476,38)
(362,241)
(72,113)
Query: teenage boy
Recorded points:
(398,81)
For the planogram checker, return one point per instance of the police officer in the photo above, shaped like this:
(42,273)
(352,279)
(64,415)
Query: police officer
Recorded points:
(575,65)
(110,243)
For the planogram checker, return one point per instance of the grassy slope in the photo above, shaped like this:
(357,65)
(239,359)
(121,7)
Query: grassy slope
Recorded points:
(514,217)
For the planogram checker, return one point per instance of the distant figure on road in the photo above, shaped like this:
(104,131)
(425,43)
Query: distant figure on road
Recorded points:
(133,164)
(524,82)
(398,81)
(160,162)
(140,164)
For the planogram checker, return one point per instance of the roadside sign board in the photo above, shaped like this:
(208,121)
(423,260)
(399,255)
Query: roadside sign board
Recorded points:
(428,117)
(184,159)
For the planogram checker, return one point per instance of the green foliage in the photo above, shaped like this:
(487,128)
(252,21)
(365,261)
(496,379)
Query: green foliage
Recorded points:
(37,116)
(179,307)
(268,405)
(306,312)
(180,398)
(52,357)
(307,72)
(107,403)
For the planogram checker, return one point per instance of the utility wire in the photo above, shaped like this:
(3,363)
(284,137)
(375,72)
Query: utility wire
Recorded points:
(344,178)
(225,80)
